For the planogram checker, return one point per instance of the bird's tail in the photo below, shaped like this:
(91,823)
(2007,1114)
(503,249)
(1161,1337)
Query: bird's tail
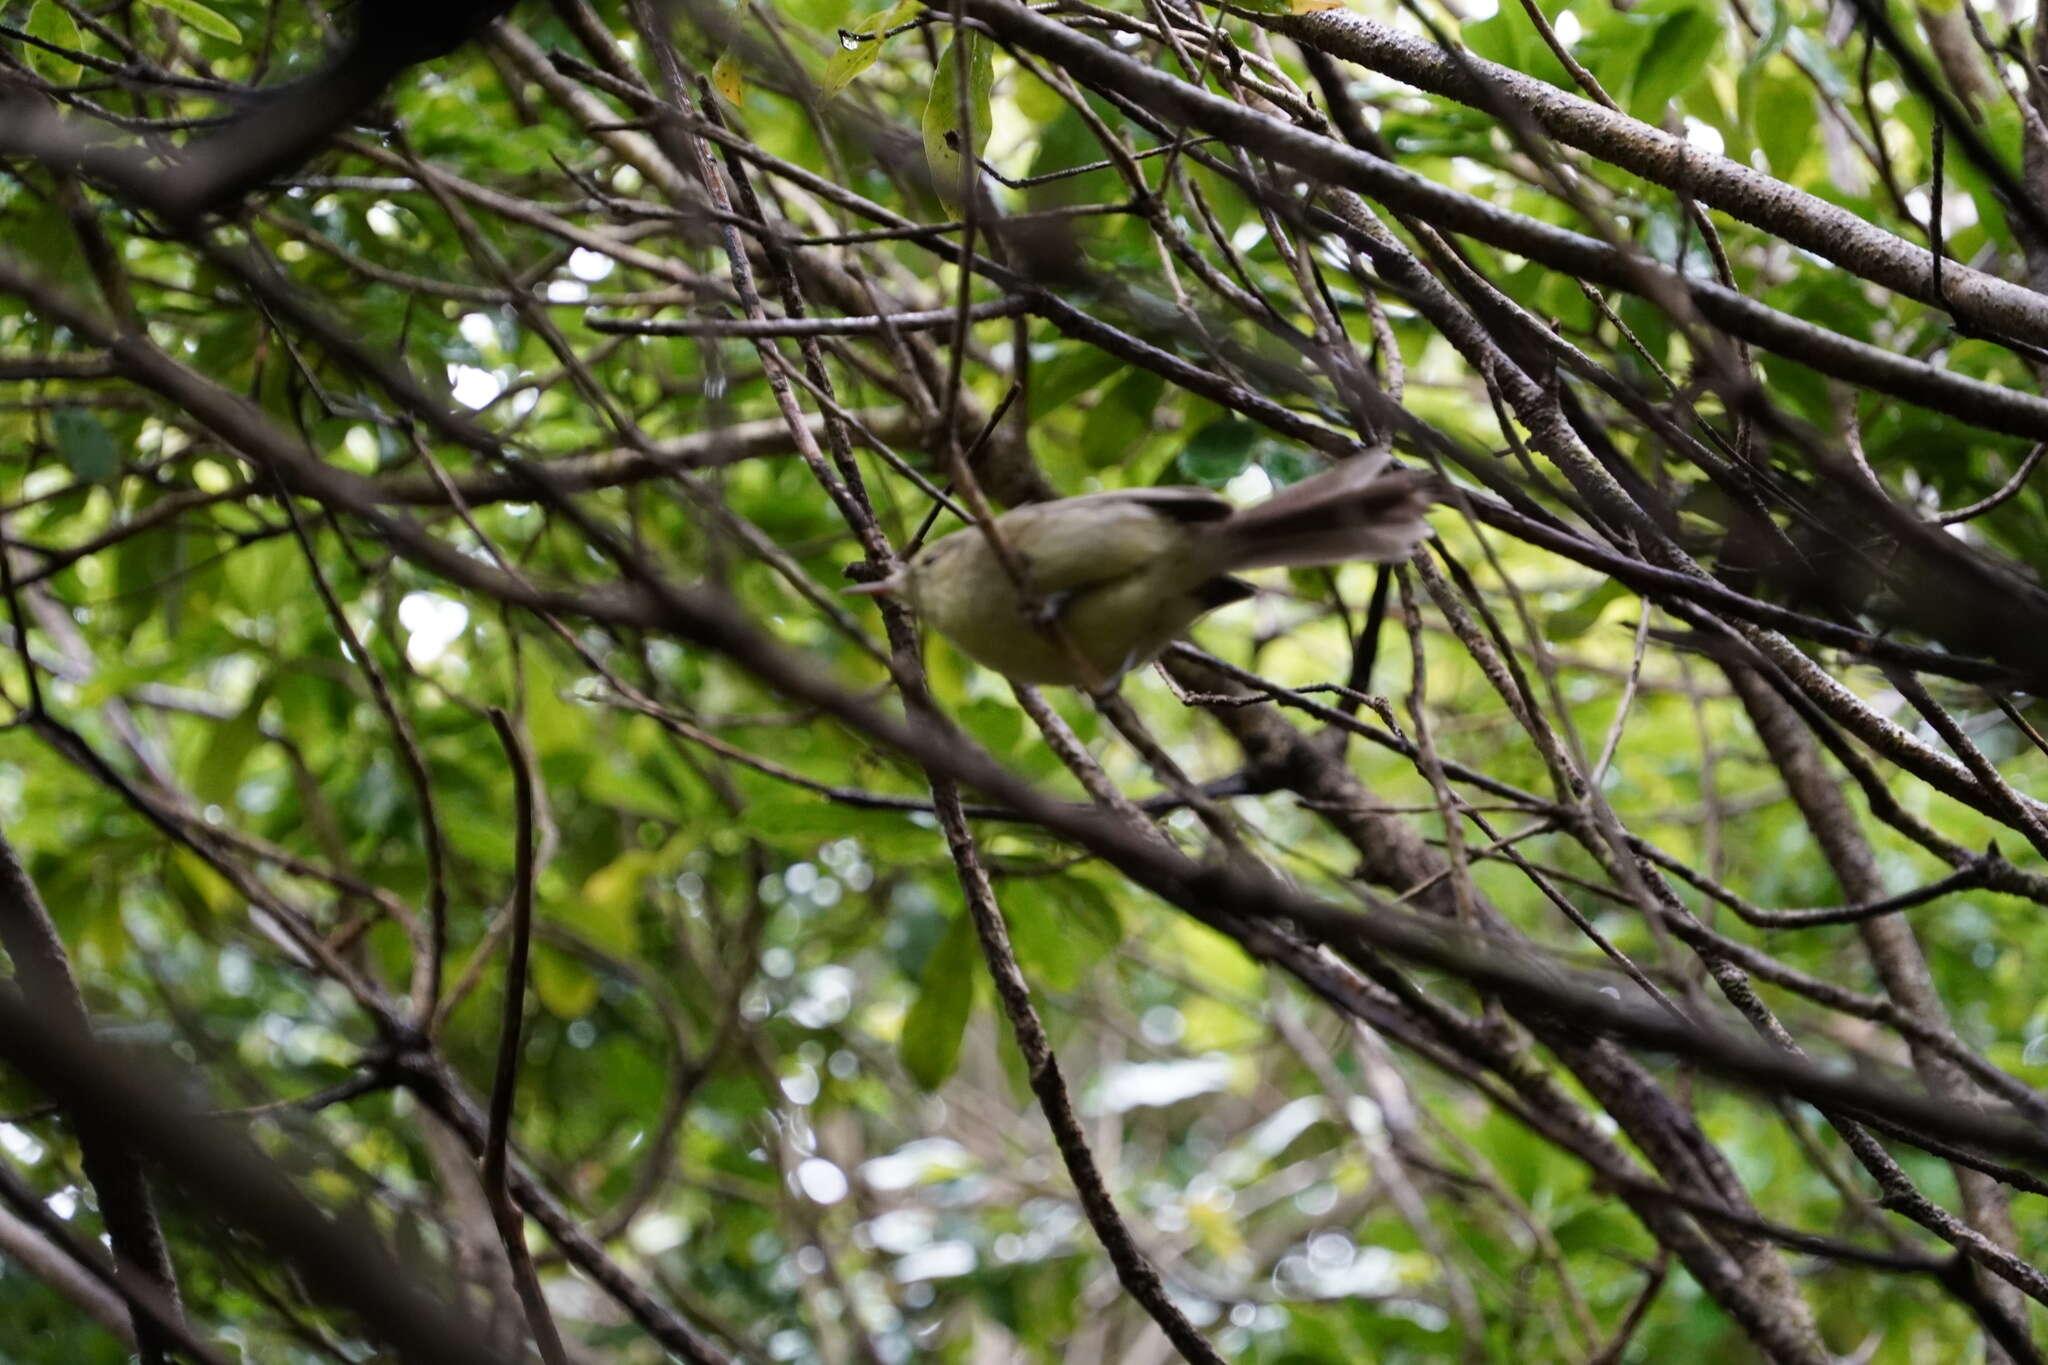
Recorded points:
(1359,510)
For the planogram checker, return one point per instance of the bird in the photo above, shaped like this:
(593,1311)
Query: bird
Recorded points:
(1110,579)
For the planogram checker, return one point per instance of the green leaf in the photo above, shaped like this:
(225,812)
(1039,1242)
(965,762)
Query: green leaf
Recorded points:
(85,444)
(854,55)
(1495,38)
(936,1023)
(1676,56)
(1060,927)
(53,24)
(208,21)
(227,751)
(945,143)
(797,823)
(1068,375)
(1209,957)
(622,782)
(1818,58)
(62,507)
(1065,142)
(1092,910)
(1786,115)
(1285,465)
(202,893)
(1506,38)
(1777,15)
(1046,949)
(1569,623)
(39,230)
(554,726)
(996,725)
(151,576)
(1221,451)
(1121,419)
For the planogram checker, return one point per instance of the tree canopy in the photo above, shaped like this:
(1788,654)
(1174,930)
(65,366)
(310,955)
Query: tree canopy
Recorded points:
(473,888)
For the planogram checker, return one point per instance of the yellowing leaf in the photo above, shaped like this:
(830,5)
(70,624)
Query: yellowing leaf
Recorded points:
(725,78)
(1313,6)
(1214,1026)
(1212,958)
(607,910)
(566,988)
(1216,1228)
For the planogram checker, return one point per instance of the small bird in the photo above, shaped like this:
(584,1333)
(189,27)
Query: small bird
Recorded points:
(1112,578)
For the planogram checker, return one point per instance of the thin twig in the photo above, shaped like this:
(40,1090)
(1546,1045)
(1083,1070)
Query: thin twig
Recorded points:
(505,1076)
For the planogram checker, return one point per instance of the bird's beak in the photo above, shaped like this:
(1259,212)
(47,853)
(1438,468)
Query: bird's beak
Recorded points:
(882,587)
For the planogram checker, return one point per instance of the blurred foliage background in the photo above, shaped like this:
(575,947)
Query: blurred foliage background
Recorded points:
(763,1069)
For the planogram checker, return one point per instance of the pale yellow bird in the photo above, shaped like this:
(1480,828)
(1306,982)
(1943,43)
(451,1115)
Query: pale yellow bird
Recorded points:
(1114,577)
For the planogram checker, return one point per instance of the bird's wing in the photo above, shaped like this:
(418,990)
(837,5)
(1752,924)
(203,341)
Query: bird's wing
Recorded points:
(1178,502)
(1076,543)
